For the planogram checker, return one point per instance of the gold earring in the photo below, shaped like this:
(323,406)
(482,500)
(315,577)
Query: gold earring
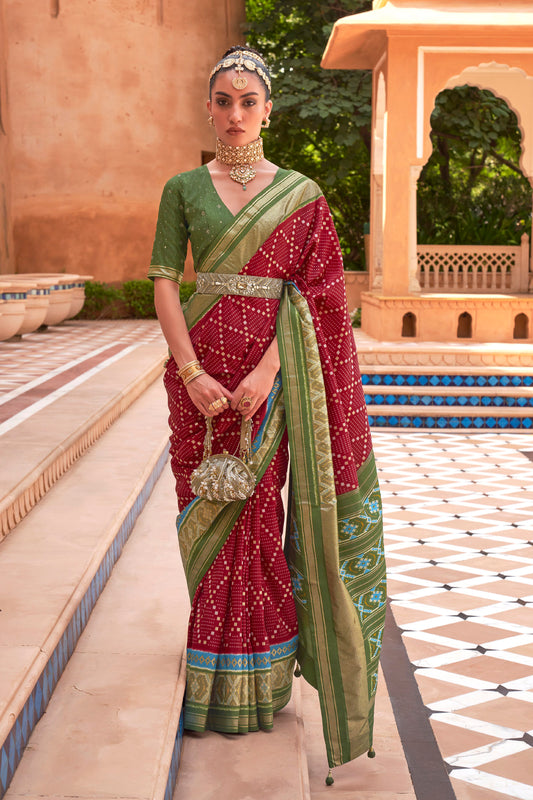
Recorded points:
(210,120)
(266,123)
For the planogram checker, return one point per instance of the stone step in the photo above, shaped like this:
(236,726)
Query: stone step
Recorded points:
(256,766)
(42,446)
(57,561)
(112,727)
(455,417)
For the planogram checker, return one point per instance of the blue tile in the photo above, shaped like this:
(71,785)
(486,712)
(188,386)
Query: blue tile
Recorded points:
(527,380)
(474,401)
(388,380)
(400,380)
(418,422)
(390,399)
(458,380)
(481,380)
(462,401)
(454,422)
(523,401)
(403,399)
(441,422)
(438,401)
(423,380)
(430,422)
(393,422)
(510,401)
(466,422)
(446,380)
(490,422)
(378,398)
(514,422)
(412,380)
(364,380)
(470,380)
(527,422)
(434,380)
(427,400)
(516,380)
(493,381)
(498,401)
(381,420)
(376,380)
(4,770)
(368,399)
(503,422)
(479,422)
(504,380)
(414,400)
(405,422)
(450,400)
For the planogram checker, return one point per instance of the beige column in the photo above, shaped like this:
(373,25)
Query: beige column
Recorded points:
(6,227)
(399,154)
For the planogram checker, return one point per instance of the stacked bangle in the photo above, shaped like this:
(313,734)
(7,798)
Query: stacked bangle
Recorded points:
(188,372)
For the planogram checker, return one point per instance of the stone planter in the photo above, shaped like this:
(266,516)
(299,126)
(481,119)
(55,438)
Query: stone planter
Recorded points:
(78,296)
(37,302)
(12,308)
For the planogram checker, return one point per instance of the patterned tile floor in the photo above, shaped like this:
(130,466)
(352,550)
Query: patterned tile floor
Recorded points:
(38,367)
(459,519)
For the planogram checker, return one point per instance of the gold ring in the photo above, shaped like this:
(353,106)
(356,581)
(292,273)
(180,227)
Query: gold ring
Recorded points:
(224,401)
(245,403)
(214,405)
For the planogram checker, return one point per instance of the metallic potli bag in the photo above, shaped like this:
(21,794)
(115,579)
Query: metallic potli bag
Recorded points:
(223,477)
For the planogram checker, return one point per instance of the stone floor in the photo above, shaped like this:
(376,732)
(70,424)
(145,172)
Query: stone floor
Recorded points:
(458,658)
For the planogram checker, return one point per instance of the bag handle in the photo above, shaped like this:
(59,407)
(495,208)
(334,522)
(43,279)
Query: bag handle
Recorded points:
(245,444)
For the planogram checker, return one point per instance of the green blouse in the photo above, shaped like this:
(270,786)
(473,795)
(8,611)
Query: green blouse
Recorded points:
(190,208)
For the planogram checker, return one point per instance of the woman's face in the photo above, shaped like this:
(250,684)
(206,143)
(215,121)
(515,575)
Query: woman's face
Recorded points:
(238,113)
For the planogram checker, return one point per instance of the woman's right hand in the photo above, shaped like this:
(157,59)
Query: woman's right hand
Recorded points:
(204,390)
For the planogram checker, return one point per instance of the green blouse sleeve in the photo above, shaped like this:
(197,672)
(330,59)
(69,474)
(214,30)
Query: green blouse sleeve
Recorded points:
(170,244)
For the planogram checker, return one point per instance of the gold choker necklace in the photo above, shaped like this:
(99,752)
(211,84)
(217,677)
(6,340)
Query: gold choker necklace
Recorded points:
(241,159)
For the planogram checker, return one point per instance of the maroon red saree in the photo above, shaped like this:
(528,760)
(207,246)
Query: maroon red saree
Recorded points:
(255,609)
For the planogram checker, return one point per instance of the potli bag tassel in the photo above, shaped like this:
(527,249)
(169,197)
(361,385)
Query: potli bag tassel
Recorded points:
(329,779)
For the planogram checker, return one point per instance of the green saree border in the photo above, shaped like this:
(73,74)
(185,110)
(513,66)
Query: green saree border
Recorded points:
(204,525)
(251,227)
(333,653)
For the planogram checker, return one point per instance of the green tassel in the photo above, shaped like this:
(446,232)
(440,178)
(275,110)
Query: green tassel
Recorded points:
(329,779)
(371,753)
(297,672)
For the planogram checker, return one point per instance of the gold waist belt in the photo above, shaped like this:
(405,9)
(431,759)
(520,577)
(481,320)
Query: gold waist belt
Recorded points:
(244,285)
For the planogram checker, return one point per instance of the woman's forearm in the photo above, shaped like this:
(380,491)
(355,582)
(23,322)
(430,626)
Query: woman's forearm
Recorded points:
(172,321)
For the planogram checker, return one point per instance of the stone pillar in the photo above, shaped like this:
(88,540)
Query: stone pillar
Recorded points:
(6,226)
(414,284)
(400,152)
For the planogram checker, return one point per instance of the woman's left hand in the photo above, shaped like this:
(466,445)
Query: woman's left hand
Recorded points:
(253,390)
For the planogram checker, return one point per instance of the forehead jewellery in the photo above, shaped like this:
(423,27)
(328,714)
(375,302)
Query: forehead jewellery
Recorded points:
(241,159)
(240,61)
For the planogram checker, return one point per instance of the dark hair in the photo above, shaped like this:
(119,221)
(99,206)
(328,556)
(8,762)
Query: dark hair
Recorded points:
(259,61)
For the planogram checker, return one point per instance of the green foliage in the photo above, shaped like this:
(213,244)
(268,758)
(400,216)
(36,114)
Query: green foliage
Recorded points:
(321,118)
(139,297)
(102,301)
(355,317)
(134,299)
(472,191)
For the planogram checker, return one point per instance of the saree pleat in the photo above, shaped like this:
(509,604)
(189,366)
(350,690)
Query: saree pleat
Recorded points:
(253,608)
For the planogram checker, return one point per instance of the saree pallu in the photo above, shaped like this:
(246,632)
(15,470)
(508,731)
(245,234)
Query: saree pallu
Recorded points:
(253,608)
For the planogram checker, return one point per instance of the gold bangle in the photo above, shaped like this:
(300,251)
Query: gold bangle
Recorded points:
(187,366)
(194,375)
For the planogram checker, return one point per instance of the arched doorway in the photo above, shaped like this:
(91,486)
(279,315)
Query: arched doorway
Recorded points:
(472,189)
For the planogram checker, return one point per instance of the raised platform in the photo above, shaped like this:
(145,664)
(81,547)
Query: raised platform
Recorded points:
(441,317)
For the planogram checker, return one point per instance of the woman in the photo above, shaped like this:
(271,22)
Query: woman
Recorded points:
(273,346)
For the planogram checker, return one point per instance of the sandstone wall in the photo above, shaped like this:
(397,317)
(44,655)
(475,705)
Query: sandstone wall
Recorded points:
(7,261)
(107,101)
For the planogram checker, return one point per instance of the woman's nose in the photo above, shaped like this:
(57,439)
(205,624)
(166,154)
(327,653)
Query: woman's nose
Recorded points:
(235,114)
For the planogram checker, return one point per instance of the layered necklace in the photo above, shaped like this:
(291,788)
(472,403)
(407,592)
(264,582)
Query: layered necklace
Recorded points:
(241,159)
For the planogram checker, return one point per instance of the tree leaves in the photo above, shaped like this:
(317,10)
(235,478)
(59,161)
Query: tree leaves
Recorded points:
(321,118)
